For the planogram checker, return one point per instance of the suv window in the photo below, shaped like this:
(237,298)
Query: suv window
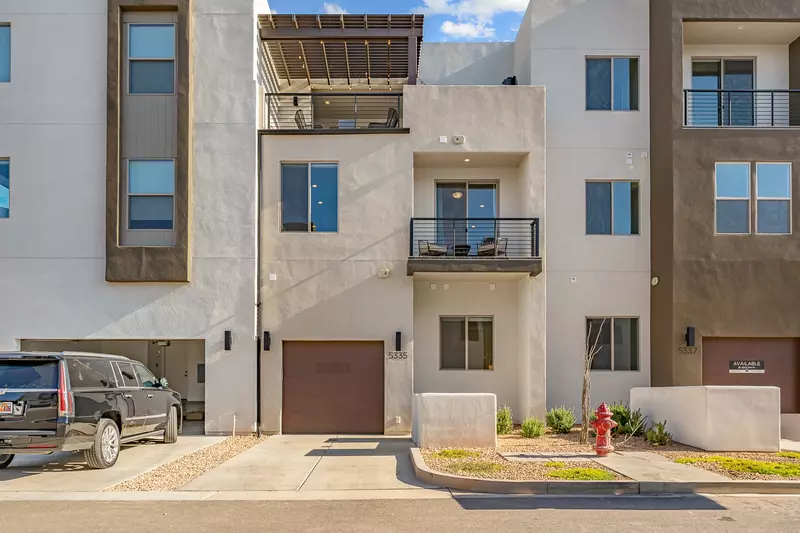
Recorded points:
(90,372)
(127,375)
(29,374)
(146,378)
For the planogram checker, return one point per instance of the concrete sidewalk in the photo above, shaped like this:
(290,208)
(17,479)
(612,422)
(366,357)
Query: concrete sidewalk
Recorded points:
(316,463)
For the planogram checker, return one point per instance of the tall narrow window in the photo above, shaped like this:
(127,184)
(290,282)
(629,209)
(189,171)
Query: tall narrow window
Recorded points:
(773,198)
(612,83)
(612,207)
(466,343)
(5,188)
(5,53)
(151,194)
(732,198)
(310,197)
(616,341)
(151,58)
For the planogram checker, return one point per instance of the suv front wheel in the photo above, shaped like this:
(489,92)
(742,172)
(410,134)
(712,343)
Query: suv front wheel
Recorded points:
(5,460)
(105,448)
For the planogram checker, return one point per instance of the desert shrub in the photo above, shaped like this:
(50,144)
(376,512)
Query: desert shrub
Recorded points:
(560,419)
(582,474)
(455,453)
(505,424)
(789,455)
(532,427)
(749,466)
(658,435)
(477,467)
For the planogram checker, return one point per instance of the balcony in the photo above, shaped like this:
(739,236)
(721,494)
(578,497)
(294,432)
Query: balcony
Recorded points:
(334,113)
(710,108)
(474,245)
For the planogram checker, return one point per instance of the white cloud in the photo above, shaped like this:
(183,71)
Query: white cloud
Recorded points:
(333,9)
(470,30)
(472,8)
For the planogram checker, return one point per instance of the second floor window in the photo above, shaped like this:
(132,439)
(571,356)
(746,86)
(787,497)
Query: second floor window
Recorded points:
(5,53)
(309,197)
(612,208)
(734,197)
(151,58)
(5,188)
(612,83)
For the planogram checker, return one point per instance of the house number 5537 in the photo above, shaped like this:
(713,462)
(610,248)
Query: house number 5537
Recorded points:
(687,350)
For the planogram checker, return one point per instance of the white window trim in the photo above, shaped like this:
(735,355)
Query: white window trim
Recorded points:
(612,58)
(172,59)
(610,321)
(129,195)
(466,344)
(770,198)
(308,176)
(612,234)
(748,199)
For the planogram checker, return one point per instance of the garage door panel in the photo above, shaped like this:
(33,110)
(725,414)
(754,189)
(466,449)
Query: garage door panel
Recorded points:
(781,358)
(333,387)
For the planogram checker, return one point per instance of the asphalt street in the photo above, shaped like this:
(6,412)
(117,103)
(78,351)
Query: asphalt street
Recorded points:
(470,514)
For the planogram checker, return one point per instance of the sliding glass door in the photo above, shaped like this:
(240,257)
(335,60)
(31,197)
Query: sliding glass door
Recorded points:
(728,107)
(466,213)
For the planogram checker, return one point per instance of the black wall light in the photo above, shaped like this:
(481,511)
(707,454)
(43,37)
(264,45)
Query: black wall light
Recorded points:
(267,341)
(228,339)
(398,341)
(690,336)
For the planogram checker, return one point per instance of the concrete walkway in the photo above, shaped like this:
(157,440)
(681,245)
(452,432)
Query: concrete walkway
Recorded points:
(646,466)
(316,463)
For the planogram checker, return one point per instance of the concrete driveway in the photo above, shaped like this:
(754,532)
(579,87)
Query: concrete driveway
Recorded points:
(316,463)
(63,472)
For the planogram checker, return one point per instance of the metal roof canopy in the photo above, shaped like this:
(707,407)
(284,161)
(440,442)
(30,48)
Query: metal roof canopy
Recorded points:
(343,47)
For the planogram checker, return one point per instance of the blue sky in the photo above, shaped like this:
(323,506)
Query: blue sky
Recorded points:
(445,20)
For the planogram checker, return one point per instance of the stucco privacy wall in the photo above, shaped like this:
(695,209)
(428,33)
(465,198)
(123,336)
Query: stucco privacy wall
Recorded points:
(52,261)
(721,419)
(466,63)
(455,420)
(611,273)
(326,285)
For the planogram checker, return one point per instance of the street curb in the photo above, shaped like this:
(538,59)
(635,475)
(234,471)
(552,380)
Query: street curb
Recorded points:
(500,486)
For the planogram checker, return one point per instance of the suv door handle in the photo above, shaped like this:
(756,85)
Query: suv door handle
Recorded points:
(149,395)
(129,395)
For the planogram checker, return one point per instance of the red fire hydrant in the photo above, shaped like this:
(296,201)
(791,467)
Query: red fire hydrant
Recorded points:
(603,426)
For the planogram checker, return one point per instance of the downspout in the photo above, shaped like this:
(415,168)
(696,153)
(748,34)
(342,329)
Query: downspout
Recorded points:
(258,286)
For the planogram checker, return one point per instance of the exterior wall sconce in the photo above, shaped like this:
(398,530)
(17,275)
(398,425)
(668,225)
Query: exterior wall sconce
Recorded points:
(267,341)
(398,341)
(690,336)
(228,340)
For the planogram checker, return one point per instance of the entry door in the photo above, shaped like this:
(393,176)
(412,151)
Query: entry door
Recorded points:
(466,213)
(725,108)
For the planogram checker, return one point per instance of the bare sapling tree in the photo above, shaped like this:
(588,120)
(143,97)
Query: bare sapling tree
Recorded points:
(591,350)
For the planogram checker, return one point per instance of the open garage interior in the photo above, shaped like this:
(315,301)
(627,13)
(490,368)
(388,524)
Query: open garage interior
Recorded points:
(182,362)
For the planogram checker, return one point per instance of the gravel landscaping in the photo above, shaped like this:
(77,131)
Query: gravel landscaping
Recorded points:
(733,471)
(178,473)
(570,442)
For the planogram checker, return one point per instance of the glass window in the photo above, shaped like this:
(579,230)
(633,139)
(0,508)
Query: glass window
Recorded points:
(732,198)
(151,189)
(90,372)
(151,58)
(201,372)
(28,374)
(5,53)
(467,343)
(146,378)
(309,197)
(773,198)
(616,341)
(612,84)
(5,188)
(127,375)
(612,207)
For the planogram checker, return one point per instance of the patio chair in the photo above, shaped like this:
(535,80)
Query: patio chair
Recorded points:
(392,120)
(300,120)
(491,247)
(431,249)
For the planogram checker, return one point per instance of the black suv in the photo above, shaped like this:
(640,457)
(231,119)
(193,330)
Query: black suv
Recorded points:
(81,402)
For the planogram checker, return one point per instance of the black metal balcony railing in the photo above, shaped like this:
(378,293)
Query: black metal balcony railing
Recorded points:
(474,238)
(708,108)
(333,112)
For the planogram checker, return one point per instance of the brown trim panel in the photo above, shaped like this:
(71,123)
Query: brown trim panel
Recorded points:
(149,264)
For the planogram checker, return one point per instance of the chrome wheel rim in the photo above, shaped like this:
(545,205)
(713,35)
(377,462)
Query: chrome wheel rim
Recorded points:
(109,444)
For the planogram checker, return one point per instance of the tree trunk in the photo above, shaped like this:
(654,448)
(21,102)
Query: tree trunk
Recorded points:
(586,405)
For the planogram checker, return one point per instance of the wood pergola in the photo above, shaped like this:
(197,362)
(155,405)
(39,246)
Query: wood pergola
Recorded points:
(319,48)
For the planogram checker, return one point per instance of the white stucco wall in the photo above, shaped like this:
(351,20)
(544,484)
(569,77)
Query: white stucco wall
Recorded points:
(52,264)
(479,63)
(455,420)
(612,272)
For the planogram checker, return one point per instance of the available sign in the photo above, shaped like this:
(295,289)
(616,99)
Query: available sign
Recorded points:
(746,367)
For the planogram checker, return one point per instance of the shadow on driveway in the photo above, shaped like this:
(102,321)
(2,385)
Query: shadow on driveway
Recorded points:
(692,502)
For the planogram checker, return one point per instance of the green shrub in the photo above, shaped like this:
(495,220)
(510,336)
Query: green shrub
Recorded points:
(582,474)
(628,422)
(505,424)
(477,467)
(789,455)
(555,464)
(532,427)
(657,435)
(455,453)
(560,419)
(747,465)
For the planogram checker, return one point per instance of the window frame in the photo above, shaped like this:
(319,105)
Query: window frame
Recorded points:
(611,213)
(136,366)
(7,162)
(610,320)
(308,165)
(756,198)
(173,59)
(10,44)
(466,343)
(118,375)
(729,198)
(611,59)
(129,195)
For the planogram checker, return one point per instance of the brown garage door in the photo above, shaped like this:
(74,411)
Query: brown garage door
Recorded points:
(781,359)
(333,387)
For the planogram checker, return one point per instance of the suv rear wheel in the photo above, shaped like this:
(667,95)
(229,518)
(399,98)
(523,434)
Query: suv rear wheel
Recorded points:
(5,460)
(171,432)
(105,448)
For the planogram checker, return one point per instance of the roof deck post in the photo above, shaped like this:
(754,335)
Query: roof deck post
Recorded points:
(413,44)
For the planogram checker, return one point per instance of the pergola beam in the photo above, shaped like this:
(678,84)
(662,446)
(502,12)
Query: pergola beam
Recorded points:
(327,67)
(305,63)
(347,62)
(304,34)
